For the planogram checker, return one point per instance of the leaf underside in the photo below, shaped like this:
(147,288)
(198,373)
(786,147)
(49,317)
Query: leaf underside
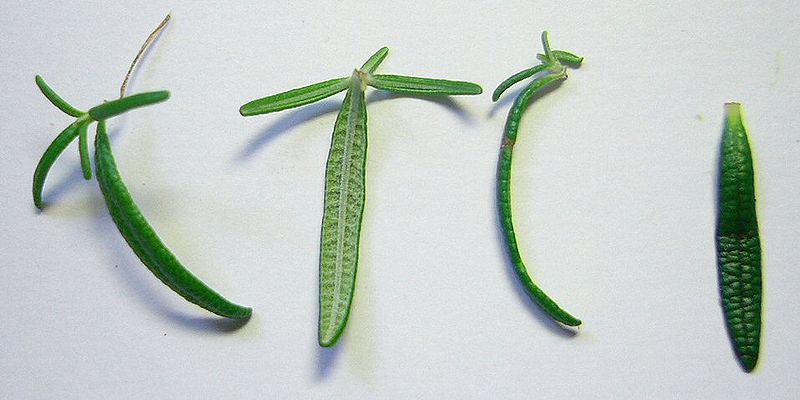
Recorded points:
(738,243)
(341,221)
(423,86)
(295,97)
(146,244)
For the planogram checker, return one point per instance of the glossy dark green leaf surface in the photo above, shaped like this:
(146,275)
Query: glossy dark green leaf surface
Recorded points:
(57,101)
(116,107)
(738,242)
(146,244)
(50,155)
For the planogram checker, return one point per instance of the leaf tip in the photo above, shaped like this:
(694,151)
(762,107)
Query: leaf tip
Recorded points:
(245,110)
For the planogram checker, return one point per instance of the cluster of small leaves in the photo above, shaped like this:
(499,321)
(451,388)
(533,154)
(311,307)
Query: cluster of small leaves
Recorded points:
(126,215)
(345,173)
(550,71)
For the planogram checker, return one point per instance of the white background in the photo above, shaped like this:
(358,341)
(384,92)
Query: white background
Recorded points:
(614,194)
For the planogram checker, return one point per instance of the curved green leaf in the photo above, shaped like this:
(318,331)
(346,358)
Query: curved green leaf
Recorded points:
(56,99)
(422,86)
(341,221)
(146,244)
(516,78)
(504,201)
(116,107)
(83,149)
(295,97)
(49,157)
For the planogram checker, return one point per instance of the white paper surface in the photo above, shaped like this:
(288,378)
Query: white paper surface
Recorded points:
(614,199)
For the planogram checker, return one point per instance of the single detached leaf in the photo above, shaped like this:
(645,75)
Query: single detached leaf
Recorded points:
(516,78)
(341,221)
(295,97)
(422,86)
(375,60)
(146,244)
(83,148)
(49,157)
(738,242)
(56,99)
(116,107)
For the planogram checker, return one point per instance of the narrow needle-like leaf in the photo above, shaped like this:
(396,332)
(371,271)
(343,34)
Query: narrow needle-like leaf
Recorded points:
(83,149)
(563,57)
(516,78)
(341,221)
(295,97)
(546,44)
(422,86)
(144,241)
(116,107)
(375,60)
(49,157)
(504,200)
(56,99)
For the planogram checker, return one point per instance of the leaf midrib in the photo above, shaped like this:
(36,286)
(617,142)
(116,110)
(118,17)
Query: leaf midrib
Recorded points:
(355,98)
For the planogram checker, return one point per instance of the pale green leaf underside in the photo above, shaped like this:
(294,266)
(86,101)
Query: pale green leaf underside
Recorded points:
(423,86)
(341,221)
(295,97)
